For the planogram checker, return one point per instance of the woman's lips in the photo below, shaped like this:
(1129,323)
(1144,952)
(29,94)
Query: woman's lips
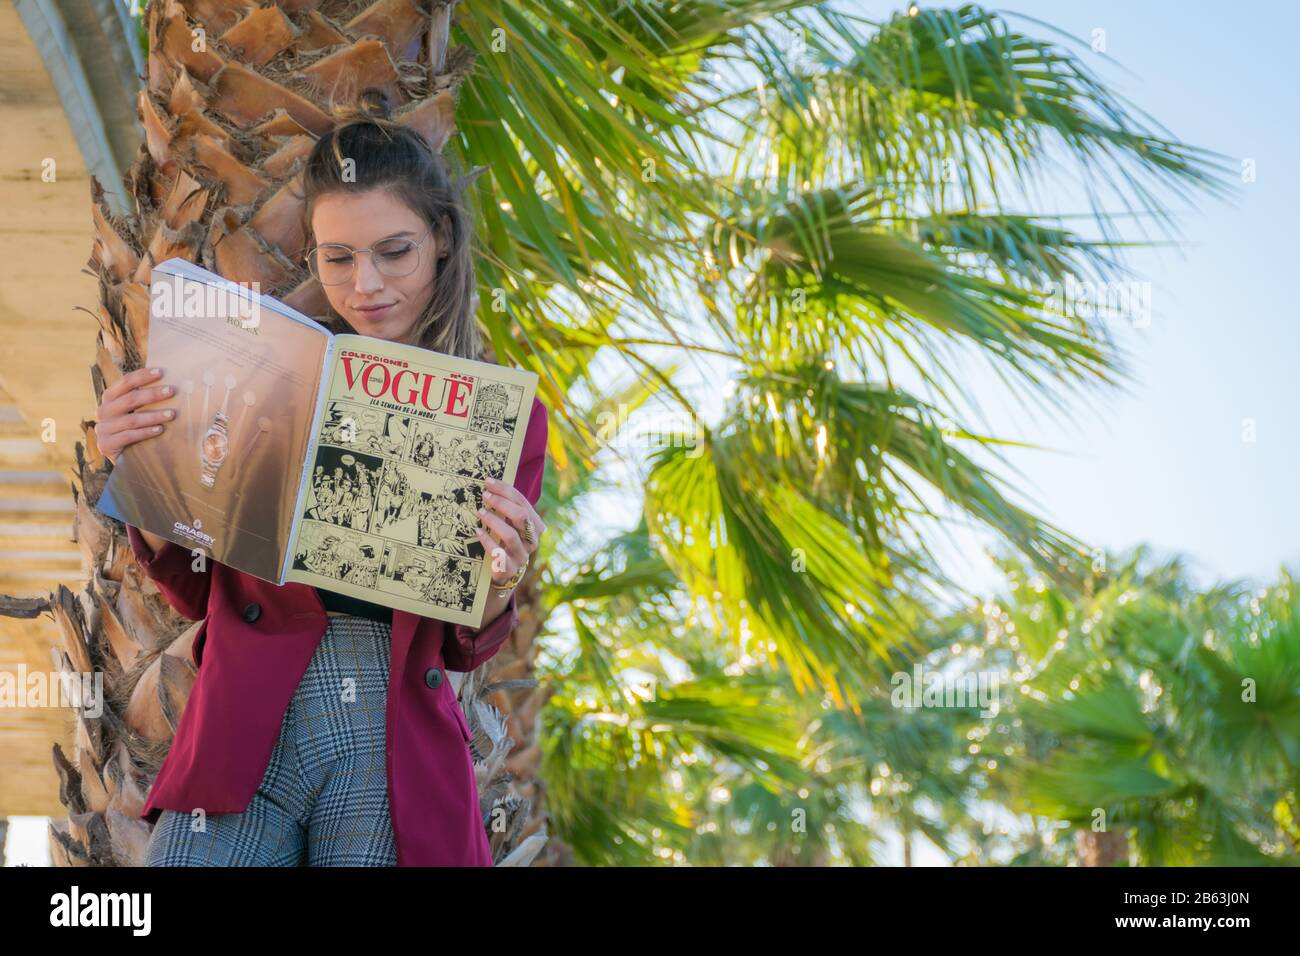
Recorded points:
(375,312)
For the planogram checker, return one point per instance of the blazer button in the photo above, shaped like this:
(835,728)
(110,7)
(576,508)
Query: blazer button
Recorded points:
(433,677)
(252,612)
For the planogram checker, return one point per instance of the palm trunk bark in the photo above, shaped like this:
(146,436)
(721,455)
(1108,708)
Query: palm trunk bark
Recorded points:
(1102,848)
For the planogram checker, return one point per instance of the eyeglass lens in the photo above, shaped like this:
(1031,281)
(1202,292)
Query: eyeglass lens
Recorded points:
(336,264)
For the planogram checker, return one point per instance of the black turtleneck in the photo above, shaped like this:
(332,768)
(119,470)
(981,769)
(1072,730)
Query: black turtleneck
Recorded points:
(346,603)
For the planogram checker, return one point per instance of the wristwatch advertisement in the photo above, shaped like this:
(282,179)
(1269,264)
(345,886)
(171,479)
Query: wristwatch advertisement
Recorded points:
(214,447)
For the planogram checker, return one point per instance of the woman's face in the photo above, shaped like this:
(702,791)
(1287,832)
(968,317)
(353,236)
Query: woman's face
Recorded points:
(385,307)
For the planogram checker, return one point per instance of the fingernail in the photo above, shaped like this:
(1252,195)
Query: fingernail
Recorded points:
(155,371)
(482,512)
(170,413)
(167,389)
(157,428)
(487,495)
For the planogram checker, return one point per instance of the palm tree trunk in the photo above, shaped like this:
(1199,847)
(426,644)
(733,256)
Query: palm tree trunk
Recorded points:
(1106,848)
(235,97)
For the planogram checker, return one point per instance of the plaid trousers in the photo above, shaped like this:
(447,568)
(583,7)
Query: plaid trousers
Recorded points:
(324,798)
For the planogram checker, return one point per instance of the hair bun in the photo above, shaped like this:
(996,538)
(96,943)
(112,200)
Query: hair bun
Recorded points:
(374,102)
(372,105)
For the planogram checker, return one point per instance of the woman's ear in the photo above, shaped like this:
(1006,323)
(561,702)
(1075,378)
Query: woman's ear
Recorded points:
(444,237)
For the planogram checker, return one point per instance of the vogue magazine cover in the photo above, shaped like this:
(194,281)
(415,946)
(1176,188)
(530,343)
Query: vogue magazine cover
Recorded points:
(406,440)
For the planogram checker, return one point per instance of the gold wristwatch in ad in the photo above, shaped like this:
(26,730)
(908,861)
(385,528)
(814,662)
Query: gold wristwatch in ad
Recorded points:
(215,445)
(214,449)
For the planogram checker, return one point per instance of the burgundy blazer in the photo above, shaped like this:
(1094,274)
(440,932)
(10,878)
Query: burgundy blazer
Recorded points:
(254,647)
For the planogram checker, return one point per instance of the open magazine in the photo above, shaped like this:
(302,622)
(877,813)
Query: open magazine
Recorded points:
(344,462)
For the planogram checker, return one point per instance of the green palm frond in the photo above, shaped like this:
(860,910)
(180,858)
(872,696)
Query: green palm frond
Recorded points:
(955,98)
(862,448)
(1025,248)
(824,275)
(786,576)
(606,766)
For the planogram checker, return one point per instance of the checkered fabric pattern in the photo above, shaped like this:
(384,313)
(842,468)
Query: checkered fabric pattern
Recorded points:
(324,798)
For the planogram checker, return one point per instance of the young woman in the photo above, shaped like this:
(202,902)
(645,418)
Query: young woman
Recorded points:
(300,744)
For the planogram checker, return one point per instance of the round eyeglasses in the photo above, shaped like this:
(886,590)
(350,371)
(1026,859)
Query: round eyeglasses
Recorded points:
(333,263)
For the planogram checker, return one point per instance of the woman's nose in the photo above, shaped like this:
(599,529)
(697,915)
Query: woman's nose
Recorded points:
(368,278)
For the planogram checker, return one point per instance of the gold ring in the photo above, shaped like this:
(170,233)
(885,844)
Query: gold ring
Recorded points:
(508,585)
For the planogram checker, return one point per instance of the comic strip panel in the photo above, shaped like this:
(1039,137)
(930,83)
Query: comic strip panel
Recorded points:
(428,509)
(440,579)
(472,456)
(371,431)
(338,553)
(341,490)
(496,409)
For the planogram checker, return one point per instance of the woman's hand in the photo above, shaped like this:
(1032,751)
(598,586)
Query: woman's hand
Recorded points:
(503,514)
(118,424)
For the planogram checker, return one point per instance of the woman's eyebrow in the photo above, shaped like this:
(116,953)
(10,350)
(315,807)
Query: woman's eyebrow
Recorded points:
(396,235)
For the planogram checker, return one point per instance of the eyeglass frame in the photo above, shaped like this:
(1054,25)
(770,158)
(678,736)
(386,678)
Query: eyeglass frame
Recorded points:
(311,258)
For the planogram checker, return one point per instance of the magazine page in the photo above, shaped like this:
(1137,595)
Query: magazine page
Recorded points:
(224,474)
(406,441)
